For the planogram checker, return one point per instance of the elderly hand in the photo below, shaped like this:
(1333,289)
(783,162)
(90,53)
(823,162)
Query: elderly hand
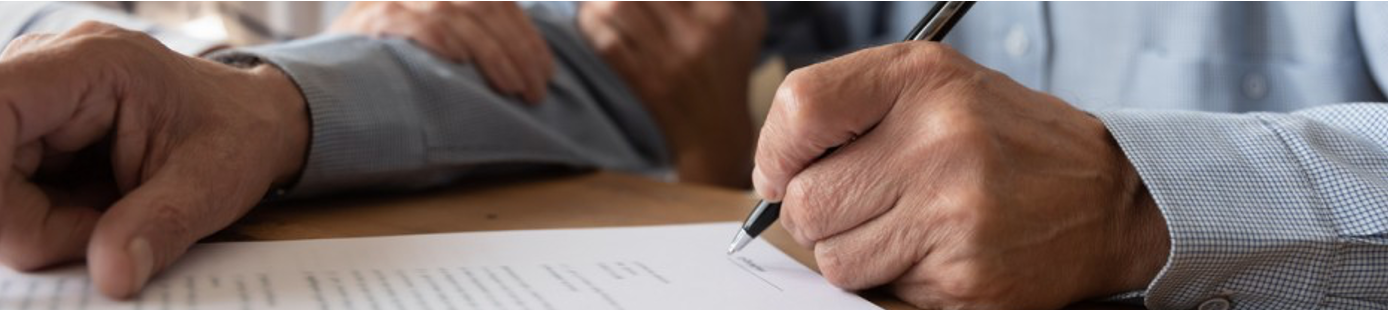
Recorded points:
(495,36)
(690,65)
(954,185)
(124,152)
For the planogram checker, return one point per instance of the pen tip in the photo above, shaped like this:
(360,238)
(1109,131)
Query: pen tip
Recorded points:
(740,241)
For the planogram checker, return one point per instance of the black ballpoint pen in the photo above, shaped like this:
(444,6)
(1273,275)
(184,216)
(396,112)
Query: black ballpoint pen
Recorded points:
(932,27)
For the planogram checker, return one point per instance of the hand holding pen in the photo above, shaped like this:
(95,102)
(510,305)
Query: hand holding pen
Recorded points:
(932,27)
(952,185)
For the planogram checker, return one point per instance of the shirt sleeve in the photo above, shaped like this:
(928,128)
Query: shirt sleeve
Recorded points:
(1371,25)
(15,17)
(1266,210)
(388,115)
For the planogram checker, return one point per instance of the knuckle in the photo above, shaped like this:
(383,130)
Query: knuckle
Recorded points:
(956,130)
(599,10)
(92,26)
(94,43)
(27,39)
(21,44)
(796,79)
(603,38)
(437,5)
(796,95)
(833,266)
(824,190)
(919,56)
(838,267)
(109,32)
(930,50)
(114,39)
(789,225)
(833,271)
(806,210)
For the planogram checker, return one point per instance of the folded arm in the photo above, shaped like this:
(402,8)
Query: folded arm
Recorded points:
(387,114)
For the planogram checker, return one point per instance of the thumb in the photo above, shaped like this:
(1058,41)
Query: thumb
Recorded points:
(153,226)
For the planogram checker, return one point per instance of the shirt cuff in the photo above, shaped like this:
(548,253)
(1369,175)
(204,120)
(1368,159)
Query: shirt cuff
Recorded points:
(1243,224)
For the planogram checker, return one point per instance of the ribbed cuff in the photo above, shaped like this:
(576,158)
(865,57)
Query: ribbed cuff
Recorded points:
(353,141)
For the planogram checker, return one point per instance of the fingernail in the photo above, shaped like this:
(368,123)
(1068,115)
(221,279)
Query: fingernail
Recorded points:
(143,258)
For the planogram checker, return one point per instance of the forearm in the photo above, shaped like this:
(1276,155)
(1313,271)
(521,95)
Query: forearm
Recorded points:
(386,114)
(1267,210)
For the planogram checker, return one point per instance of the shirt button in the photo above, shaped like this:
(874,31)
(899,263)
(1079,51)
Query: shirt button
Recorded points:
(1016,41)
(1255,86)
(1217,303)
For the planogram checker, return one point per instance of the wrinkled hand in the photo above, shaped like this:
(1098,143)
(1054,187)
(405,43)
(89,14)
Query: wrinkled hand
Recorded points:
(495,36)
(956,186)
(690,64)
(124,152)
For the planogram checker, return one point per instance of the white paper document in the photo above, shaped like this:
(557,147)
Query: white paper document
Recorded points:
(655,267)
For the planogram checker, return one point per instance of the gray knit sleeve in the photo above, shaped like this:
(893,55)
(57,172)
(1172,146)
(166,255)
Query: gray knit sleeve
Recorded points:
(388,115)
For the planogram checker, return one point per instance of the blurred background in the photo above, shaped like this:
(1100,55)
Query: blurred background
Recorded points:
(195,27)
(238,23)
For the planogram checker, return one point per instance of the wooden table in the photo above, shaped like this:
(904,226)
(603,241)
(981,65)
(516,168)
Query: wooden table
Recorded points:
(578,200)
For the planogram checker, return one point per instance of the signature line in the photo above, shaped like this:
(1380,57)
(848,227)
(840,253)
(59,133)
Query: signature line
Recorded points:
(744,268)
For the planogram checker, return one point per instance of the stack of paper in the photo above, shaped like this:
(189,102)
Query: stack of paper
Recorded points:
(659,267)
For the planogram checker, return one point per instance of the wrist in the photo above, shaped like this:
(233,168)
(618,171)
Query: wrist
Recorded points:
(1144,243)
(293,121)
